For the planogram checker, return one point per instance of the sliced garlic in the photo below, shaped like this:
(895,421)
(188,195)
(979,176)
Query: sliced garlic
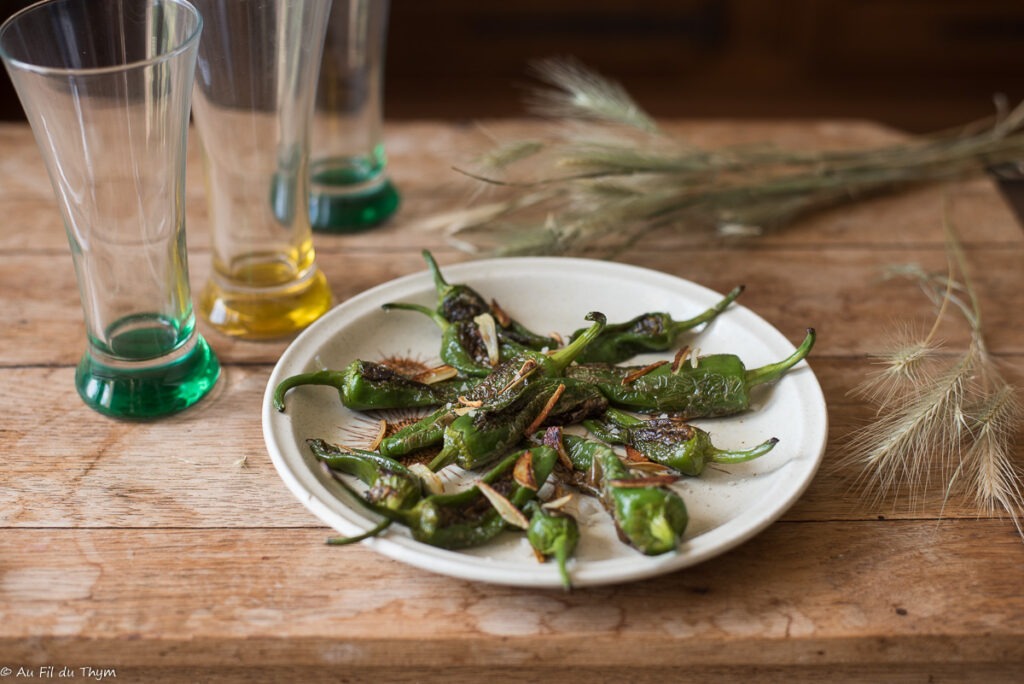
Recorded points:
(508,512)
(523,473)
(489,334)
(436,374)
(557,504)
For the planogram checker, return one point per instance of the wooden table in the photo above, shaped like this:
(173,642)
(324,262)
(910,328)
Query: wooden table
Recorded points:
(171,550)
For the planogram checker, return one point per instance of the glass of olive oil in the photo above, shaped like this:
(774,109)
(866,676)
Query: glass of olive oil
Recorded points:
(252,106)
(106,87)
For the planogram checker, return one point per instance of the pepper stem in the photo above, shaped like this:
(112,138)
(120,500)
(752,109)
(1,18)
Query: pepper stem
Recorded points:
(445,458)
(440,284)
(440,320)
(561,359)
(323,377)
(561,557)
(774,371)
(377,529)
(679,326)
(736,456)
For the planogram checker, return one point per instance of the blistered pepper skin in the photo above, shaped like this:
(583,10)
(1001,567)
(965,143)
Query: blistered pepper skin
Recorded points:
(477,438)
(651,519)
(553,534)
(460,302)
(366,386)
(391,484)
(507,401)
(670,441)
(649,332)
(717,385)
(426,432)
(467,519)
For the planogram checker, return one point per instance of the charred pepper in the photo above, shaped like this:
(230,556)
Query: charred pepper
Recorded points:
(509,384)
(391,484)
(462,344)
(477,438)
(670,441)
(365,385)
(460,302)
(425,432)
(553,533)
(648,515)
(468,518)
(715,385)
(649,332)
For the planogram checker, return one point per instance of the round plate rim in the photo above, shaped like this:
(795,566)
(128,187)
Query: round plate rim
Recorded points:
(324,503)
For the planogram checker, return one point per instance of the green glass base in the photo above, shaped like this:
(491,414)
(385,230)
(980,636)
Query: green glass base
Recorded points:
(139,390)
(338,212)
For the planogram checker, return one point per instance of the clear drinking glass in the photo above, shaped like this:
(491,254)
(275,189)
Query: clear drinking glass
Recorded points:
(350,190)
(253,101)
(106,87)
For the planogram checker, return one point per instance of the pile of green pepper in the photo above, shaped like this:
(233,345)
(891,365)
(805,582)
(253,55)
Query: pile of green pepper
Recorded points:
(498,406)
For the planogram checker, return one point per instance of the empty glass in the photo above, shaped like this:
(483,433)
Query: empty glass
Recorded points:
(350,190)
(106,87)
(255,83)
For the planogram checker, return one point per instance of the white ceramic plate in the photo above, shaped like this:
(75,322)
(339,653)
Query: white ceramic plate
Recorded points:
(727,504)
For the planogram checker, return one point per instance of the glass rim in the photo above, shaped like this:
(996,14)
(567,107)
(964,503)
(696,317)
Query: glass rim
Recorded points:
(178,49)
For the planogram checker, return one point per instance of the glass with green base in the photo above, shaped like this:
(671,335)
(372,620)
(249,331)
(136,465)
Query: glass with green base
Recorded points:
(107,88)
(350,190)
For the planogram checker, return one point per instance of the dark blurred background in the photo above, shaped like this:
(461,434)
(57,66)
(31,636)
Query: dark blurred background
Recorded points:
(919,65)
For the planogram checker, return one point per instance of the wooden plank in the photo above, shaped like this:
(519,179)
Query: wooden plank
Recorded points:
(422,156)
(809,594)
(972,673)
(841,293)
(208,467)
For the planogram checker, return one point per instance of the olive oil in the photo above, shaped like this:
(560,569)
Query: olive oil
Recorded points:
(266,296)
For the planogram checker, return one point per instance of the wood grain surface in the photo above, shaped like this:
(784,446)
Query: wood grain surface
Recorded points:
(171,551)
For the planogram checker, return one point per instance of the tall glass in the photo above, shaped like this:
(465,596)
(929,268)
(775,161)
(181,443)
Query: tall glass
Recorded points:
(106,87)
(350,190)
(255,83)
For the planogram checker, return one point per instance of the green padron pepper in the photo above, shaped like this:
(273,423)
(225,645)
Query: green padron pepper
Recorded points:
(649,332)
(670,441)
(497,392)
(648,515)
(365,385)
(481,436)
(425,432)
(716,385)
(468,518)
(460,302)
(391,484)
(553,533)
(462,344)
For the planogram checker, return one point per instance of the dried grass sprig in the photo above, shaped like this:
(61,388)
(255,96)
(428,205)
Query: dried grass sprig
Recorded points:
(991,473)
(912,437)
(938,417)
(579,93)
(607,175)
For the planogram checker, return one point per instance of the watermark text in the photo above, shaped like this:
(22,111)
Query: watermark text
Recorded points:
(37,672)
